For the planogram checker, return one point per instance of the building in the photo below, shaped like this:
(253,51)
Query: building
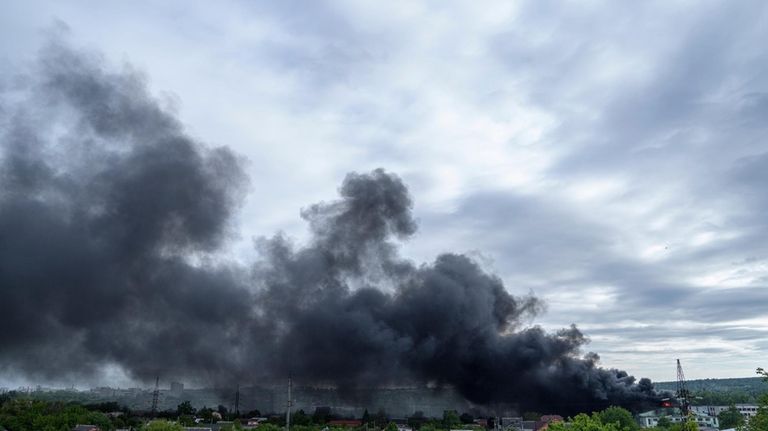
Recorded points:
(651,418)
(511,423)
(253,422)
(746,410)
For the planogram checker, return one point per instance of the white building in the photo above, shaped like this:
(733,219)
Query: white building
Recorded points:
(747,410)
(651,418)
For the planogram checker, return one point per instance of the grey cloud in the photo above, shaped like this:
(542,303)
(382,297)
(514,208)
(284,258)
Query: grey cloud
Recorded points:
(541,240)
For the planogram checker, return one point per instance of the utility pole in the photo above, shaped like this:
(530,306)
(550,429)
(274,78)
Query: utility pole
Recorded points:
(155,396)
(237,401)
(288,407)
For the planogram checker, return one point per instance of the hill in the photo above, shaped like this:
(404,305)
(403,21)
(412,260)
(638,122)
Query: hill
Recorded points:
(721,391)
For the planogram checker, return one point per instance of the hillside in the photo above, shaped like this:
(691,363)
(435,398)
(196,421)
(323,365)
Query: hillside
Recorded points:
(721,391)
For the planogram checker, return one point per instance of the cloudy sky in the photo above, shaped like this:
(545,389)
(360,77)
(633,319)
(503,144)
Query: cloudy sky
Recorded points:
(610,157)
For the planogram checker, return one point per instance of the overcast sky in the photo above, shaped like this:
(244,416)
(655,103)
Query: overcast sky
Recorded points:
(610,157)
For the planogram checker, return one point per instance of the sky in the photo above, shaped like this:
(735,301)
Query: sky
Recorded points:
(608,157)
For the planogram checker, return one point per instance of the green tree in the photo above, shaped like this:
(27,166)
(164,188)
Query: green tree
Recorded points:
(450,419)
(759,422)
(37,415)
(617,415)
(7,396)
(301,418)
(688,425)
(206,414)
(269,427)
(381,418)
(391,427)
(185,408)
(106,407)
(235,426)
(416,420)
(162,425)
(322,415)
(222,411)
(187,420)
(664,422)
(730,418)
(583,422)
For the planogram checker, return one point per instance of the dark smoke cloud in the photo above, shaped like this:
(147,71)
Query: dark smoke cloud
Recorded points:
(104,201)
(110,222)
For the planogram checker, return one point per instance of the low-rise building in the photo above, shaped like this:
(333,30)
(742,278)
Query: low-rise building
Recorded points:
(651,418)
(255,421)
(747,410)
(513,423)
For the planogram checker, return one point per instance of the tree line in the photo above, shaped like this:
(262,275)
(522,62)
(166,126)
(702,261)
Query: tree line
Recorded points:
(20,413)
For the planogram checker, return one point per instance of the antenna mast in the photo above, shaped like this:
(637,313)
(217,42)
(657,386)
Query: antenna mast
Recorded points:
(682,391)
(155,396)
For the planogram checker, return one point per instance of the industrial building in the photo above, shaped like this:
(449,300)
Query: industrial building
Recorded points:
(651,418)
(746,410)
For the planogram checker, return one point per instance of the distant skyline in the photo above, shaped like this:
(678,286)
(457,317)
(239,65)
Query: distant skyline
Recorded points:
(609,157)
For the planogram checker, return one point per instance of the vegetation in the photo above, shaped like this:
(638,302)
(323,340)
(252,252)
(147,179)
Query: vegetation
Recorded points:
(616,419)
(760,421)
(685,426)
(584,422)
(25,414)
(450,419)
(162,425)
(21,413)
(730,418)
(721,392)
(35,415)
(619,416)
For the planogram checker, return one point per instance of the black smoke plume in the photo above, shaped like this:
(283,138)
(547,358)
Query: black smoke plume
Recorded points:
(111,218)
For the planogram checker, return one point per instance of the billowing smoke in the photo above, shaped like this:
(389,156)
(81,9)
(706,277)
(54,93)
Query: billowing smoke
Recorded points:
(111,223)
